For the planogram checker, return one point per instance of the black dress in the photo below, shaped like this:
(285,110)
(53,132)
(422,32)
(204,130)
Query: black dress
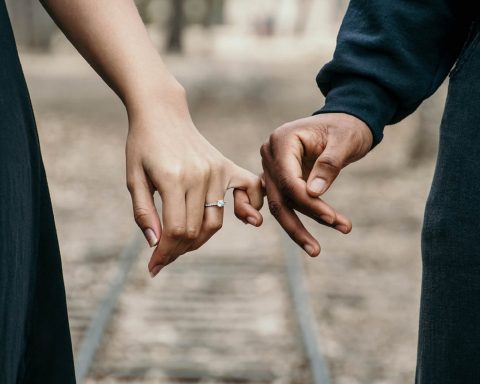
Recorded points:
(35,344)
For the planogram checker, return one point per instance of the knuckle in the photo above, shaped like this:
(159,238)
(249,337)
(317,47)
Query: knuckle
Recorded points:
(173,173)
(253,180)
(192,233)
(276,135)
(251,183)
(215,171)
(130,185)
(215,164)
(275,208)
(331,162)
(196,177)
(286,186)
(215,226)
(202,170)
(265,150)
(283,129)
(279,136)
(257,184)
(140,215)
(175,232)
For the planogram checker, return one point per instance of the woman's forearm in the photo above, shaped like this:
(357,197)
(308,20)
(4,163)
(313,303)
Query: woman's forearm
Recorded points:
(112,37)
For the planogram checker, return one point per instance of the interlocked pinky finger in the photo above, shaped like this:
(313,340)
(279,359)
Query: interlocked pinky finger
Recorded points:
(244,210)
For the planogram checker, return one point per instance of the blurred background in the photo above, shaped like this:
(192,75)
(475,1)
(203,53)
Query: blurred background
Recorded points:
(248,66)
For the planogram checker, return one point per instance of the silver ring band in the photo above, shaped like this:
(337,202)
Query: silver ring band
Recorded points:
(218,203)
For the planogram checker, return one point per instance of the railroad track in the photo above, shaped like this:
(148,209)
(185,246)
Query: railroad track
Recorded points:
(219,317)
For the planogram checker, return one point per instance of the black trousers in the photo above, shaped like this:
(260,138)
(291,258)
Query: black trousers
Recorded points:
(35,345)
(449,335)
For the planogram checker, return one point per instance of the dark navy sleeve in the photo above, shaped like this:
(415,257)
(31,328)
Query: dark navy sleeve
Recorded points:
(390,56)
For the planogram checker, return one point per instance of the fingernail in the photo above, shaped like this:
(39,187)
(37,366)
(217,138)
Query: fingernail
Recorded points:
(151,237)
(342,228)
(327,219)
(317,185)
(155,270)
(309,249)
(252,220)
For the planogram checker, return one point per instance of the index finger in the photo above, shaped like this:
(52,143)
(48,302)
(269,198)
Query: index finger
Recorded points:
(289,181)
(172,243)
(288,219)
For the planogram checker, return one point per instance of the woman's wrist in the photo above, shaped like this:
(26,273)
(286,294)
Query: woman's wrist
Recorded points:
(164,94)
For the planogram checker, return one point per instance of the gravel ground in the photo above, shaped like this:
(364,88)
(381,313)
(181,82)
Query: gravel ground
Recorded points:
(218,316)
(365,286)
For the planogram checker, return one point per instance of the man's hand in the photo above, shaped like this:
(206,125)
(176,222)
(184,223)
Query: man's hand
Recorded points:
(301,160)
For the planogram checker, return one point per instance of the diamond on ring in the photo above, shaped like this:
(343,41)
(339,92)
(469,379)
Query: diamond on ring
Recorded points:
(218,203)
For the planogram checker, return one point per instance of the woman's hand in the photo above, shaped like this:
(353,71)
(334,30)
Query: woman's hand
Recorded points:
(166,153)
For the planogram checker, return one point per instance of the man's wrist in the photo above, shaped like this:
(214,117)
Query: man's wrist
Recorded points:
(362,128)
(356,127)
(362,98)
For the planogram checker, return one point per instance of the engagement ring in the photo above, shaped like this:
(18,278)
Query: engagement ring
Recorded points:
(218,203)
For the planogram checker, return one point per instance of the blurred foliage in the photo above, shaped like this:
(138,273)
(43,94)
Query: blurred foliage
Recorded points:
(175,15)
(32,25)
(206,12)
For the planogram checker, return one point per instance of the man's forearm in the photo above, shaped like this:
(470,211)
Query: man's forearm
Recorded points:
(390,56)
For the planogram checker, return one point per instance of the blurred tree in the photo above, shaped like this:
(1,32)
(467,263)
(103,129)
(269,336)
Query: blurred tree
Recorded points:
(176,26)
(142,6)
(174,15)
(304,9)
(31,23)
(214,14)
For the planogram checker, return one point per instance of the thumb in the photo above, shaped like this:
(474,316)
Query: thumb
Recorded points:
(145,212)
(326,168)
